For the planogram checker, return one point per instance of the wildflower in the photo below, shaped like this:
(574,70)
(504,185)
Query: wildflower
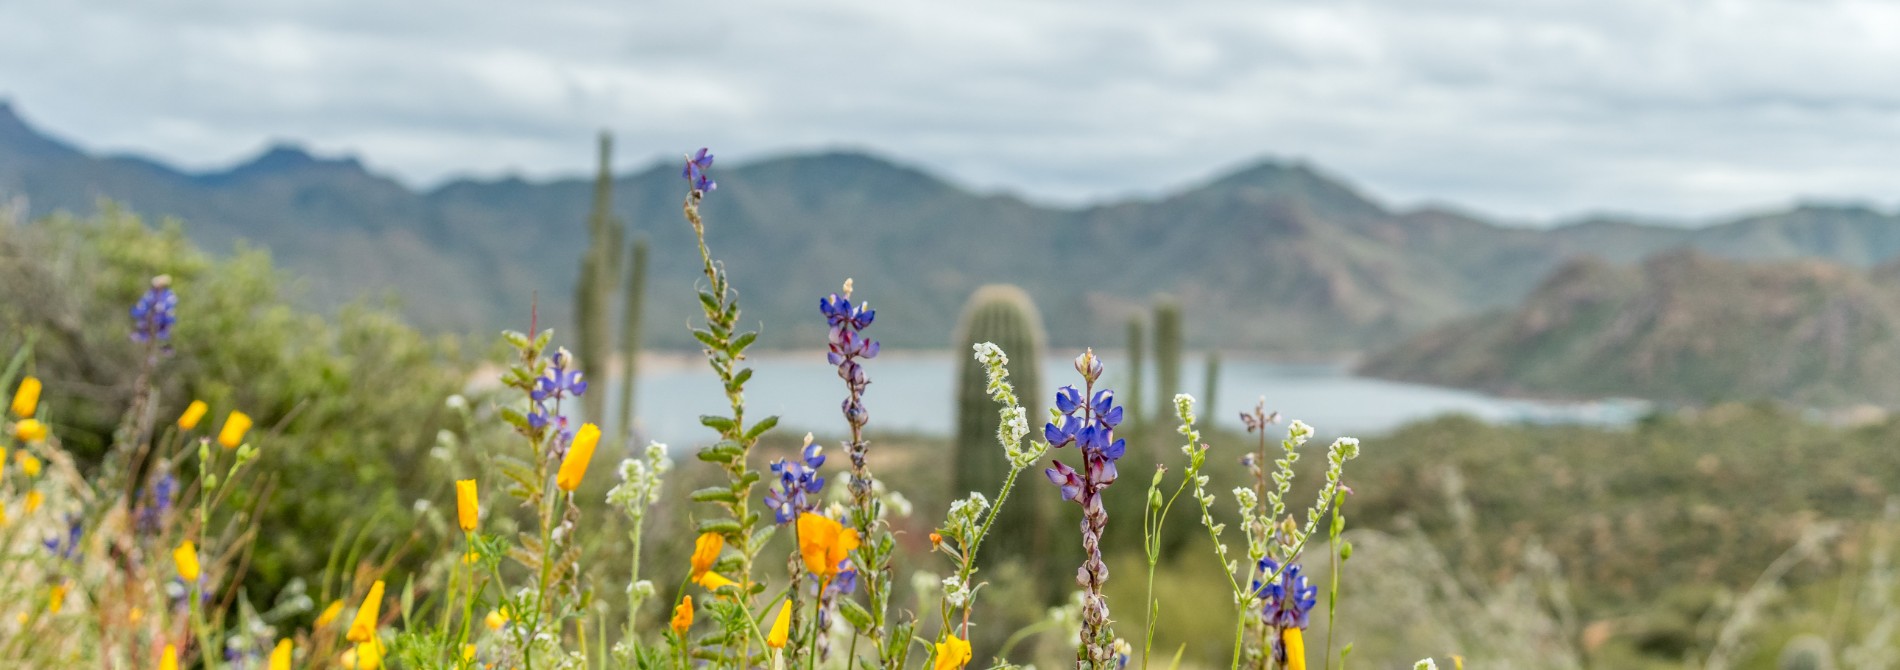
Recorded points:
(1090,425)
(26,398)
(683,616)
(363,629)
(706,552)
(936,540)
(155,312)
(713,581)
(496,619)
(186,556)
(574,467)
(29,463)
(193,413)
(466,510)
(65,546)
(3,513)
(952,653)
(1294,642)
(169,659)
(824,544)
(1289,600)
(364,656)
(782,628)
(280,656)
(695,172)
(57,597)
(330,613)
(33,501)
(153,511)
(798,486)
(236,424)
(468,652)
(557,384)
(30,431)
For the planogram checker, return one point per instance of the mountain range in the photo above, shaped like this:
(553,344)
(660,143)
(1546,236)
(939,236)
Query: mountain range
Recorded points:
(1680,327)
(1279,256)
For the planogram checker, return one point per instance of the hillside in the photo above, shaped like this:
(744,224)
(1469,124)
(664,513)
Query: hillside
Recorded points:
(1680,326)
(1277,256)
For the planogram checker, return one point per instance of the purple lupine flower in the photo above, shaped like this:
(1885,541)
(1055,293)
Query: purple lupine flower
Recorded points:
(558,383)
(847,344)
(152,512)
(65,546)
(1287,601)
(695,172)
(798,485)
(155,312)
(1090,426)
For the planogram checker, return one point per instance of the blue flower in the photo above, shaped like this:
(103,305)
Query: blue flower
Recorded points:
(1090,426)
(695,172)
(67,545)
(558,383)
(847,345)
(153,512)
(155,312)
(1287,601)
(798,485)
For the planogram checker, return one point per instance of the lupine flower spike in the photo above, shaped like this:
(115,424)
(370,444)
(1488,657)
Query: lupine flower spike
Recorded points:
(155,312)
(695,172)
(1090,425)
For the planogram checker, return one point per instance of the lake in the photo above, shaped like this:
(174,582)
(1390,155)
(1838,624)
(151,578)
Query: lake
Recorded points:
(911,392)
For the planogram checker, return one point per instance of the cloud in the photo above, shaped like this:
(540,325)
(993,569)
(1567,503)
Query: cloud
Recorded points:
(1536,110)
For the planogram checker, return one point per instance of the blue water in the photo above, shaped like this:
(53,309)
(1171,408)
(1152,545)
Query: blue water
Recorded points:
(911,391)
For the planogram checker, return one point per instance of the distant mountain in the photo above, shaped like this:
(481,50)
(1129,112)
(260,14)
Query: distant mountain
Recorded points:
(1278,256)
(1681,326)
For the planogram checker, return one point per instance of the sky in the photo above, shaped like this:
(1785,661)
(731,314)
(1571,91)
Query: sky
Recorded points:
(1536,111)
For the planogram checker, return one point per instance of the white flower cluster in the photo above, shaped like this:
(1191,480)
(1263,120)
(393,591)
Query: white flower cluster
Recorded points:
(955,591)
(640,480)
(965,513)
(1014,425)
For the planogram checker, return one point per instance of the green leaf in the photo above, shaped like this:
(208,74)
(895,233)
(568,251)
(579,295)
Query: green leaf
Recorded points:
(715,494)
(710,301)
(716,422)
(720,526)
(759,428)
(515,339)
(515,418)
(855,614)
(708,339)
(743,340)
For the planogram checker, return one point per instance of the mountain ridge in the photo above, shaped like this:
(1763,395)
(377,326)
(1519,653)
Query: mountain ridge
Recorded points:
(1274,255)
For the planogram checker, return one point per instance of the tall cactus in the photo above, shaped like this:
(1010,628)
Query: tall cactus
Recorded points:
(1134,394)
(1004,315)
(1806,652)
(594,290)
(1210,385)
(1167,325)
(630,332)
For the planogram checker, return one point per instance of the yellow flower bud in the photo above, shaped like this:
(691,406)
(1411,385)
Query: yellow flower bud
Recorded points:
(1295,645)
(30,431)
(26,399)
(465,504)
(236,424)
(496,619)
(33,501)
(782,628)
(193,413)
(365,656)
(683,616)
(186,556)
(706,552)
(574,467)
(363,629)
(169,660)
(56,598)
(28,463)
(280,656)
(330,614)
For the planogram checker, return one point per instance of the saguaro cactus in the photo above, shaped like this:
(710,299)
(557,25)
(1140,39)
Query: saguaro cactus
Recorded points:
(1210,385)
(630,332)
(1167,325)
(1004,315)
(594,291)
(1134,394)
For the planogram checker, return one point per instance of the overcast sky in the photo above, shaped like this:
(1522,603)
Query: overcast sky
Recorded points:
(1537,110)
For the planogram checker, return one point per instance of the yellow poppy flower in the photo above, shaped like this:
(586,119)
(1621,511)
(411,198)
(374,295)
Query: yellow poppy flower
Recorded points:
(468,652)
(168,660)
(363,629)
(574,467)
(824,544)
(26,399)
(186,556)
(28,463)
(706,552)
(56,598)
(496,619)
(952,654)
(711,581)
(683,616)
(236,424)
(782,628)
(466,509)
(280,656)
(3,513)
(33,501)
(30,431)
(1295,644)
(330,613)
(193,413)
(365,656)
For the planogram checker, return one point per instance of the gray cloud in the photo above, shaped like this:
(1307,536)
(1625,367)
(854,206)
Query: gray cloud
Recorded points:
(1532,109)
